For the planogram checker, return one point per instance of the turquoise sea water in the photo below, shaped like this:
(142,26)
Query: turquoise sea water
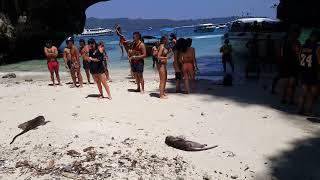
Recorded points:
(207,51)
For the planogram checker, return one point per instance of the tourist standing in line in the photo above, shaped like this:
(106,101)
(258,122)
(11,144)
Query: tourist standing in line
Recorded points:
(122,39)
(188,61)
(155,54)
(136,58)
(105,62)
(309,69)
(51,53)
(96,58)
(226,51)
(195,66)
(162,66)
(177,66)
(84,52)
(67,64)
(75,61)
(289,68)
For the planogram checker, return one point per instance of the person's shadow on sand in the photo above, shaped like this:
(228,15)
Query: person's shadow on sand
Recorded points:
(133,90)
(314,119)
(155,95)
(93,96)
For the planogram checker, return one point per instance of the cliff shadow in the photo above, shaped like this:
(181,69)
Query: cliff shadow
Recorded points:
(300,162)
(246,93)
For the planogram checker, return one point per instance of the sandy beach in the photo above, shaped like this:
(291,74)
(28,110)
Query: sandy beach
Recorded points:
(88,138)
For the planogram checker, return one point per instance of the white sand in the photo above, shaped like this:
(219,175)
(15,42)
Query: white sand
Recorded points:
(242,120)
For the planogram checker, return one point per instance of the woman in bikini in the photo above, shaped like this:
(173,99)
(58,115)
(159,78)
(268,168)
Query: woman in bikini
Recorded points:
(162,66)
(96,57)
(187,61)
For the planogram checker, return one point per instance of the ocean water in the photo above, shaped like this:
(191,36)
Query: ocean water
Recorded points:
(206,44)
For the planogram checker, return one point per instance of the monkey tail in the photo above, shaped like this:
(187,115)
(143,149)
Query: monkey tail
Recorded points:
(17,136)
(203,149)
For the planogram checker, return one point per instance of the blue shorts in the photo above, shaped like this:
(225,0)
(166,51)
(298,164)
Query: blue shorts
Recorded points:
(137,68)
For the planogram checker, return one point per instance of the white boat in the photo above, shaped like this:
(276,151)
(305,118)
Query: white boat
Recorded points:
(96,32)
(241,31)
(221,26)
(202,28)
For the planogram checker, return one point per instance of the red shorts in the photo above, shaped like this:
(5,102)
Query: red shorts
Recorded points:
(187,67)
(53,66)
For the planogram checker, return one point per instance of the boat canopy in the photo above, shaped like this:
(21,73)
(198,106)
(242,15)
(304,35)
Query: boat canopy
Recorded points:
(258,20)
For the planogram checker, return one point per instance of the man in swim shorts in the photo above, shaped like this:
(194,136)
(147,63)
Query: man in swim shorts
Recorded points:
(75,60)
(137,55)
(51,53)
(84,52)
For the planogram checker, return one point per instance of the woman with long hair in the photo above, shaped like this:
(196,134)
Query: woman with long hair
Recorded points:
(96,58)
(187,60)
(162,66)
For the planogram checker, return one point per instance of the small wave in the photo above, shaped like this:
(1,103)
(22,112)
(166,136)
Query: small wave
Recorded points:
(207,36)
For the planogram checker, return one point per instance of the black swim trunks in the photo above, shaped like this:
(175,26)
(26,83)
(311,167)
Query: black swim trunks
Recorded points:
(86,65)
(137,67)
(178,75)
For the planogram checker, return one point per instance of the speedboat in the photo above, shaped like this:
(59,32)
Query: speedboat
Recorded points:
(149,41)
(241,31)
(203,28)
(96,32)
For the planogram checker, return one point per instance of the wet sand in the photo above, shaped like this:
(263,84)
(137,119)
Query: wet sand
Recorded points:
(257,136)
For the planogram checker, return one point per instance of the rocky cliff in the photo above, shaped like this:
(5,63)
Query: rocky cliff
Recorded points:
(303,12)
(26,24)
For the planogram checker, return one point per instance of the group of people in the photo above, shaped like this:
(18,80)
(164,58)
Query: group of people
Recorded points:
(94,62)
(300,64)
(184,62)
(297,62)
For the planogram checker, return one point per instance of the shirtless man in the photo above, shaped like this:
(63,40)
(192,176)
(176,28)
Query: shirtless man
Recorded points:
(84,52)
(67,64)
(51,53)
(75,61)
(136,58)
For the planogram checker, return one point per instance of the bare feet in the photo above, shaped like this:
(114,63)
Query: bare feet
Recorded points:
(142,92)
(163,97)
